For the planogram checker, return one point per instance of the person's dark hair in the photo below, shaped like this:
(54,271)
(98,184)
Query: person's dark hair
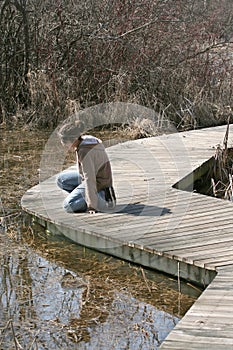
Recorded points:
(70,132)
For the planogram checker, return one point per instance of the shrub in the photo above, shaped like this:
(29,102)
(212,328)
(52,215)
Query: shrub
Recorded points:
(60,56)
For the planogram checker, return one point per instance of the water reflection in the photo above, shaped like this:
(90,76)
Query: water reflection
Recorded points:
(56,295)
(35,306)
(131,324)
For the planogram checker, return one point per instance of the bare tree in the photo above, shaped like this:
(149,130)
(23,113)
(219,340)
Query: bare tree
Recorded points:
(57,56)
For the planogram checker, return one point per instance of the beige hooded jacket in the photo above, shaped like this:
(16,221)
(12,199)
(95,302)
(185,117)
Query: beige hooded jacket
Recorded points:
(94,167)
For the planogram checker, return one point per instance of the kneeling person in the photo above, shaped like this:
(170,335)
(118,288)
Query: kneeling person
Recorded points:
(91,186)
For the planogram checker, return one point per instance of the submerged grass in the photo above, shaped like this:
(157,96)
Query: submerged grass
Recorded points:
(105,281)
(49,285)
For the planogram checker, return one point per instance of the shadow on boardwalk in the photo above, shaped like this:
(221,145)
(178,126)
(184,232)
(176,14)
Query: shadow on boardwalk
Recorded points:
(139,209)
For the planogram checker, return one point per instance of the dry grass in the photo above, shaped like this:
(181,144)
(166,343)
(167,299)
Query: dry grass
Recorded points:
(222,176)
(218,181)
(174,59)
(140,128)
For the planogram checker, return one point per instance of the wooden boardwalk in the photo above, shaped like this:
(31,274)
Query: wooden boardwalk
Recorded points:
(154,224)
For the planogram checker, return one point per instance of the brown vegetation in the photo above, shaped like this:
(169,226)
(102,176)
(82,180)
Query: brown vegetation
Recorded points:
(218,180)
(59,56)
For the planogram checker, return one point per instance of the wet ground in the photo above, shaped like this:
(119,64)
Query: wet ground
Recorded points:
(55,294)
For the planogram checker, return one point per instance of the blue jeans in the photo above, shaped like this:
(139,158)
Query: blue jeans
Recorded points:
(71,182)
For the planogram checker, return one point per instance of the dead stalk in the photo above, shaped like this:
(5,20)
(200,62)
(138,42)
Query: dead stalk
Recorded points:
(17,345)
(2,207)
(145,279)
(231,186)
(179,288)
(225,141)
(87,293)
(34,340)
(213,187)
(178,277)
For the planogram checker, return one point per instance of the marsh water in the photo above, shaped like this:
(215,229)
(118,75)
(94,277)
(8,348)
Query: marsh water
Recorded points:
(55,294)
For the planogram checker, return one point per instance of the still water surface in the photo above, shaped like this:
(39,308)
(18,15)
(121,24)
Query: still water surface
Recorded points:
(57,295)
